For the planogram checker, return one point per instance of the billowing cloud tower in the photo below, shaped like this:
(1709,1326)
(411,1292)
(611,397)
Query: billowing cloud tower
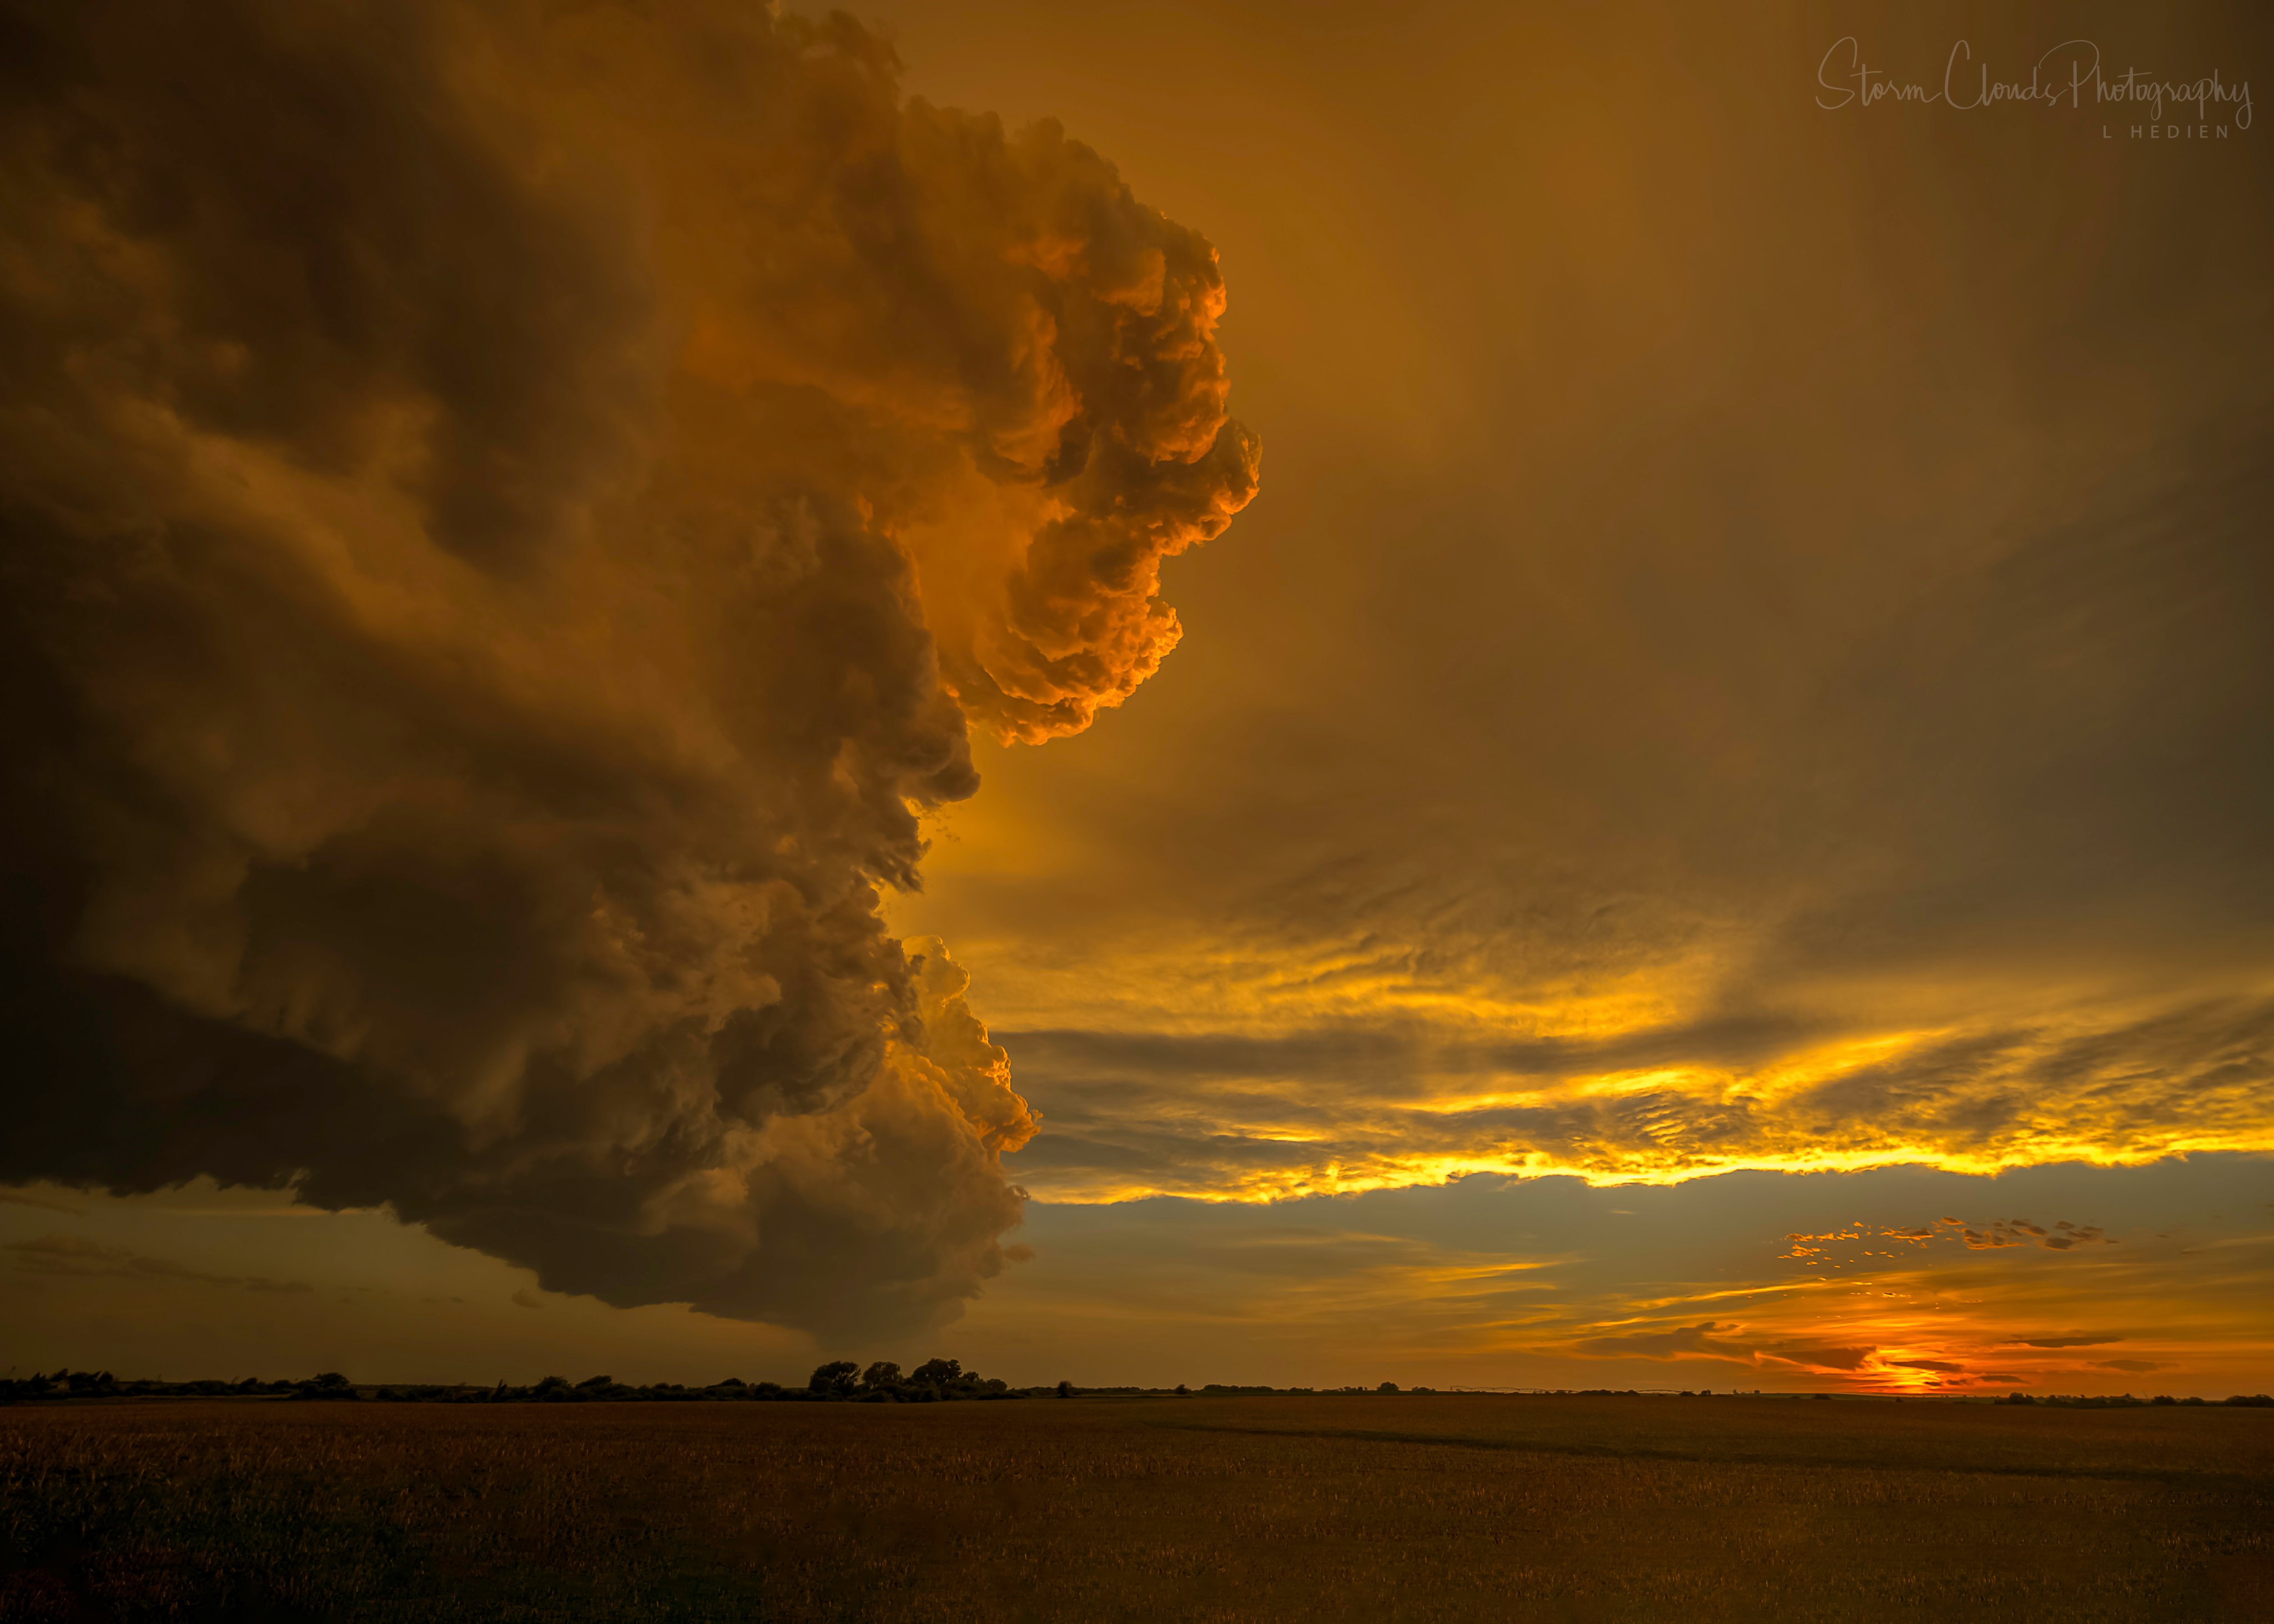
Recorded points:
(510,513)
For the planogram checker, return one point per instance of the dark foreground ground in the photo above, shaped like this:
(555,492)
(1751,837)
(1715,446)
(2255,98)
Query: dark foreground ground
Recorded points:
(1329,1507)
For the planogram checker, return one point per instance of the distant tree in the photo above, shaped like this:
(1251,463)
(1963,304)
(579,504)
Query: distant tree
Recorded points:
(1183,1391)
(881,1376)
(1065,1389)
(937,1373)
(1386,1387)
(833,1380)
(598,1381)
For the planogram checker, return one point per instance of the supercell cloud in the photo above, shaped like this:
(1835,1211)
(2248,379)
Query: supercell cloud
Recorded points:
(511,513)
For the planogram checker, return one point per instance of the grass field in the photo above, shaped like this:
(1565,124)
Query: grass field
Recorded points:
(1412,1506)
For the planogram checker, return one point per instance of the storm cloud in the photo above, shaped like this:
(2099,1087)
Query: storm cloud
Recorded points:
(511,515)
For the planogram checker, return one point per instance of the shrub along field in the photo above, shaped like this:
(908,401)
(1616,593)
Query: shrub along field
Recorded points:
(1410,1507)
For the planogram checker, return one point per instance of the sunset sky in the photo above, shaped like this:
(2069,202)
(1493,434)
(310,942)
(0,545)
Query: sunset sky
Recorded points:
(1700,819)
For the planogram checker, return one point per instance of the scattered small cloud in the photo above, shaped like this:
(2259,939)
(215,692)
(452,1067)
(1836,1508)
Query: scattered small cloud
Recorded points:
(526,1298)
(1863,1240)
(2021,1232)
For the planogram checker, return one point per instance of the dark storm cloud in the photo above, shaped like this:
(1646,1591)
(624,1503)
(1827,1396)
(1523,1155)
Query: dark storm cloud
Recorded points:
(1717,1340)
(1688,1339)
(508,520)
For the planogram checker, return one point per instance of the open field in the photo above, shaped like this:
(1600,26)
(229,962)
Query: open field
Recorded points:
(1446,1507)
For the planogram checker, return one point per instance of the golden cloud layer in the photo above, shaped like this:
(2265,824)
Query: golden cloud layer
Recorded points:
(1229,1116)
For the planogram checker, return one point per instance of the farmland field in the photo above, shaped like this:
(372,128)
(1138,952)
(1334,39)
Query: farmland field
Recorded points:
(1408,1507)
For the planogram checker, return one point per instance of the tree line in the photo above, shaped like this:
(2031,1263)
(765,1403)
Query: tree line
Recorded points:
(837,1381)
(2124,1401)
(840,1381)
